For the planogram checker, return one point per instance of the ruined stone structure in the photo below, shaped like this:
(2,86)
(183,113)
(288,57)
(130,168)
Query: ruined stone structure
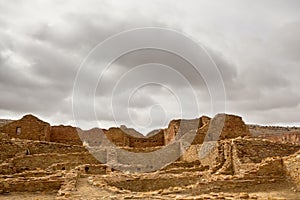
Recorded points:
(233,127)
(290,137)
(29,127)
(117,136)
(240,156)
(221,127)
(177,128)
(32,128)
(232,169)
(226,165)
(293,137)
(65,134)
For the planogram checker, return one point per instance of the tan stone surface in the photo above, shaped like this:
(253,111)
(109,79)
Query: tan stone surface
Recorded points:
(29,127)
(238,167)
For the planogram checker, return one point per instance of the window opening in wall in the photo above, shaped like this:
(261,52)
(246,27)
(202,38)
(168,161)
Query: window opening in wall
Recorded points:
(18,130)
(86,169)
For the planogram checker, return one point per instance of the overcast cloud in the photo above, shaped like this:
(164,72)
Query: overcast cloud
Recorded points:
(255,44)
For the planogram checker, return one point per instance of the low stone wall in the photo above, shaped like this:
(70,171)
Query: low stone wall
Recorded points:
(211,155)
(32,184)
(239,156)
(70,182)
(9,149)
(17,147)
(269,167)
(148,161)
(36,147)
(249,152)
(43,161)
(62,166)
(35,173)
(255,150)
(62,182)
(95,169)
(191,154)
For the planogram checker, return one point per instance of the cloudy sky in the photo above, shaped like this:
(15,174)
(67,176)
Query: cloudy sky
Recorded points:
(54,55)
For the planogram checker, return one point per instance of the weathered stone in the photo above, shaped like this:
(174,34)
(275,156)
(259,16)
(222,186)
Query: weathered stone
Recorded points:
(244,196)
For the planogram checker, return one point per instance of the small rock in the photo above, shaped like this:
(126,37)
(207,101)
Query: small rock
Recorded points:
(67,194)
(244,195)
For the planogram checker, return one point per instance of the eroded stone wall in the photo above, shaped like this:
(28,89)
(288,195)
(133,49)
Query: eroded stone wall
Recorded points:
(292,167)
(222,126)
(42,161)
(117,136)
(255,150)
(238,156)
(65,134)
(177,128)
(153,141)
(29,127)
(231,126)
(293,137)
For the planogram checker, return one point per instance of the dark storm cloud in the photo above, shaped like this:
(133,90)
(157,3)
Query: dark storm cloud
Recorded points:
(255,45)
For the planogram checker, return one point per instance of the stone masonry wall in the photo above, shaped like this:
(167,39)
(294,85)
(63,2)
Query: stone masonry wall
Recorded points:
(153,141)
(255,150)
(32,184)
(29,127)
(15,147)
(292,137)
(65,134)
(117,136)
(240,155)
(222,126)
(292,167)
(177,128)
(42,161)
(231,126)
